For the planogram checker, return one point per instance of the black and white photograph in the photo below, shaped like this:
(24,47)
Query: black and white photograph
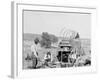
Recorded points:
(56,39)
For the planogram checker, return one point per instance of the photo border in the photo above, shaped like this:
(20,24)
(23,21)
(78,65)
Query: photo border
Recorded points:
(17,71)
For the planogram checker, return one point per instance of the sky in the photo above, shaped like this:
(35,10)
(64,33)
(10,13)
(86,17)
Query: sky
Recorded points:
(36,22)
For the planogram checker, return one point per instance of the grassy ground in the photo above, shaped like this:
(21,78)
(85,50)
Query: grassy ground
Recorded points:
(41,52)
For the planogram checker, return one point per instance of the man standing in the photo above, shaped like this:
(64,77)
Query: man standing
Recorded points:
(34,53)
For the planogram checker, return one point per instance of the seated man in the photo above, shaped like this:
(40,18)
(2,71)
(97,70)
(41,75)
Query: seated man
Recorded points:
(47,58)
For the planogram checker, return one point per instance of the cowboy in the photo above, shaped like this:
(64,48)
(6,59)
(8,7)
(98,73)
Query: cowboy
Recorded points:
(34,54)
(47,58)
